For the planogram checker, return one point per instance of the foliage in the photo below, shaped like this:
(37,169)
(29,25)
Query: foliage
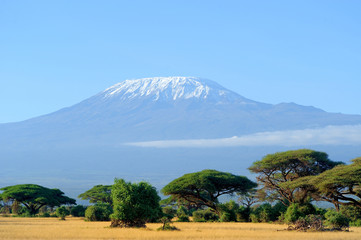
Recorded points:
(229,211)
(98,193)
(182,214)
(267,213)
(206,215)
(296,211)
(166,225)
(353,213)
(98,212)
(282,167)
(203,188)
(169,212)
(33,197)
(262,213)
(340,185)
(44,215)
(336,220)
(243,214)
(62,212)
(134,204)
(78,211)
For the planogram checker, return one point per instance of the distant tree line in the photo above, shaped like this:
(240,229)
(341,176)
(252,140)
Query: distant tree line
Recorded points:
(288,185)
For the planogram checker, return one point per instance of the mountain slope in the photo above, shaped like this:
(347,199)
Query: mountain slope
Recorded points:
(81,146)
(163,108)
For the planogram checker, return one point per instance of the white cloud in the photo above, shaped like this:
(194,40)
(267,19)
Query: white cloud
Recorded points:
(331,135)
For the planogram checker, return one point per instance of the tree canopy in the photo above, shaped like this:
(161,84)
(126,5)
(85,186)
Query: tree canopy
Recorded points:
(204,187)
(275,169)
(134,204)
(340,185)
(33,196)
(98,193)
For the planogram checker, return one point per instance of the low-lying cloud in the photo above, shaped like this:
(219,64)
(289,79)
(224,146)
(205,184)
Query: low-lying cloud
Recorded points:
(331,135)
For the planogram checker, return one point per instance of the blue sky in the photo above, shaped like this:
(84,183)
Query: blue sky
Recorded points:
(54,54)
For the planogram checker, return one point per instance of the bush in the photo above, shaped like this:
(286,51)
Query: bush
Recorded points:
(353,213)
(166,225)
(310,222)
(26,214)
(228,211)
(45,215)
(263,213)
(134,204)
(62,212)
(296,211)
(336,220)
(356,223)
(182,214)
(169,212)
(78,211)
(98,212)
(205,216)
(243,214)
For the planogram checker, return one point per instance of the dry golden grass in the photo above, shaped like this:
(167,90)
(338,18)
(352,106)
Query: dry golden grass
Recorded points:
(76,228)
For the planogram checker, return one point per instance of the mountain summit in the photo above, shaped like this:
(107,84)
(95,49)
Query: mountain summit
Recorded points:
(86,144)
(172,89)
(164,108)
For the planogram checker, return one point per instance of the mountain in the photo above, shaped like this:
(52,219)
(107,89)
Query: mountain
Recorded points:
(86,144)
(164,108)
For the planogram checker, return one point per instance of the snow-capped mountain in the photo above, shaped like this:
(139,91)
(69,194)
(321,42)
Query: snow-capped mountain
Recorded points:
(84,145)
(172,88)
(165,108)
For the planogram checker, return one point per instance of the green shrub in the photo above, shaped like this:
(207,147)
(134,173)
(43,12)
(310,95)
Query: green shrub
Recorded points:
(228,211)
(263,213)
(205,216)
(182,214)
(78,211)
(243,214)
(26,214)
(135,204)
(166,225)
(226,217)
(336,220)
(169,212)
(351,212)
(98,212)
(45,215)
(356,223)
(296,211)
(62,212)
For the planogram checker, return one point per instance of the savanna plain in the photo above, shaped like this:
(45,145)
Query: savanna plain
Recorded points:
(77,228)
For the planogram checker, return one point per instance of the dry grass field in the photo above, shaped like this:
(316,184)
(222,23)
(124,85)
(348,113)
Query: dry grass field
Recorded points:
(76,228)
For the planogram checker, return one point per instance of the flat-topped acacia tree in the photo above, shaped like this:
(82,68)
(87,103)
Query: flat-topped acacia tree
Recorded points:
(98,193)
(204,187)
(33,196)
(340,185)
(281,167)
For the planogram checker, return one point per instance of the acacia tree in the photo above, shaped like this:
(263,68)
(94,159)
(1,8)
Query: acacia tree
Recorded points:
(134,204)
(98,193)
(340,185)
(249,198)
(203,188)
(281,167)
(33,196)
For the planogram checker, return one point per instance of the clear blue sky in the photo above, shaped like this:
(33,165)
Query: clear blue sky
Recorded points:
(54,54)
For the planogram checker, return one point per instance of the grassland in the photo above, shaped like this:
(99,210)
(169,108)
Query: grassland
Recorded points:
(76,228)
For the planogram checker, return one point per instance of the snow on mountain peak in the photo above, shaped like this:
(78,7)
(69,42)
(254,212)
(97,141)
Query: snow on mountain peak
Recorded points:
(174,88)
